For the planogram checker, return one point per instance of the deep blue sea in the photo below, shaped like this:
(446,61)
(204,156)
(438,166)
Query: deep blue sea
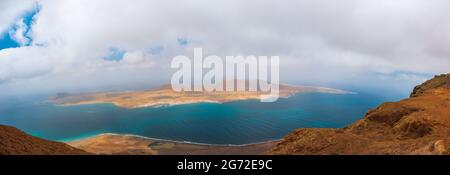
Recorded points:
(240,122)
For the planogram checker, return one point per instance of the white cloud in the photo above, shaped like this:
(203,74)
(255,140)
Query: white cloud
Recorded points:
(137,57)
(23,63)
(19,33)
(10,11)
(321,41)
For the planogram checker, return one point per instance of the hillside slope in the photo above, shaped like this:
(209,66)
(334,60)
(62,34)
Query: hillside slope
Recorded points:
(417,125)
(16,142)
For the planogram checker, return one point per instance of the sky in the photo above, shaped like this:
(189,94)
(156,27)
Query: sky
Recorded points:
(87,45)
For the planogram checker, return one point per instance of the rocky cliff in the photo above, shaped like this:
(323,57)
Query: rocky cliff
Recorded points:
(417,125)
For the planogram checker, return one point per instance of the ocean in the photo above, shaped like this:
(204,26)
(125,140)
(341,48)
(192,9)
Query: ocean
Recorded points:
(233,123)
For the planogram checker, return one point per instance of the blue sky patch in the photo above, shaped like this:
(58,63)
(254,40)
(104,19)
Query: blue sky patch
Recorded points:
(6,41)
(114,54)
(182,41)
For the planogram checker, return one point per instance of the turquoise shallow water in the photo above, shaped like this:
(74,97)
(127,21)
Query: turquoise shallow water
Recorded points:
(240,122)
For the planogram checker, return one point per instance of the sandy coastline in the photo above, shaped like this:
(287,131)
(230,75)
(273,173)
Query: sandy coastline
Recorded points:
(110,143)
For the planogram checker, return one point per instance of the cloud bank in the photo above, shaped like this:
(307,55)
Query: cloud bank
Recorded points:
(78,44)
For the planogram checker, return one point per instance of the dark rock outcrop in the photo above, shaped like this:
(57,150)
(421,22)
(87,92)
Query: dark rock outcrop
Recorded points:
(439,81)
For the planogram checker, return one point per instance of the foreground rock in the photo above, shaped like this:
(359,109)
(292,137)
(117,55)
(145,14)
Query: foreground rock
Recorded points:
(16,142)
(417,125)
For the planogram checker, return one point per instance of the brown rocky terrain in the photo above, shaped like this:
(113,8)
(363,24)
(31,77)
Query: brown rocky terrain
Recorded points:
(16,142)
(417,125)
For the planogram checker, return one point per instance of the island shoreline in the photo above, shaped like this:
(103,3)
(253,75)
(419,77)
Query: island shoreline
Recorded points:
(168,140)
(129,144)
